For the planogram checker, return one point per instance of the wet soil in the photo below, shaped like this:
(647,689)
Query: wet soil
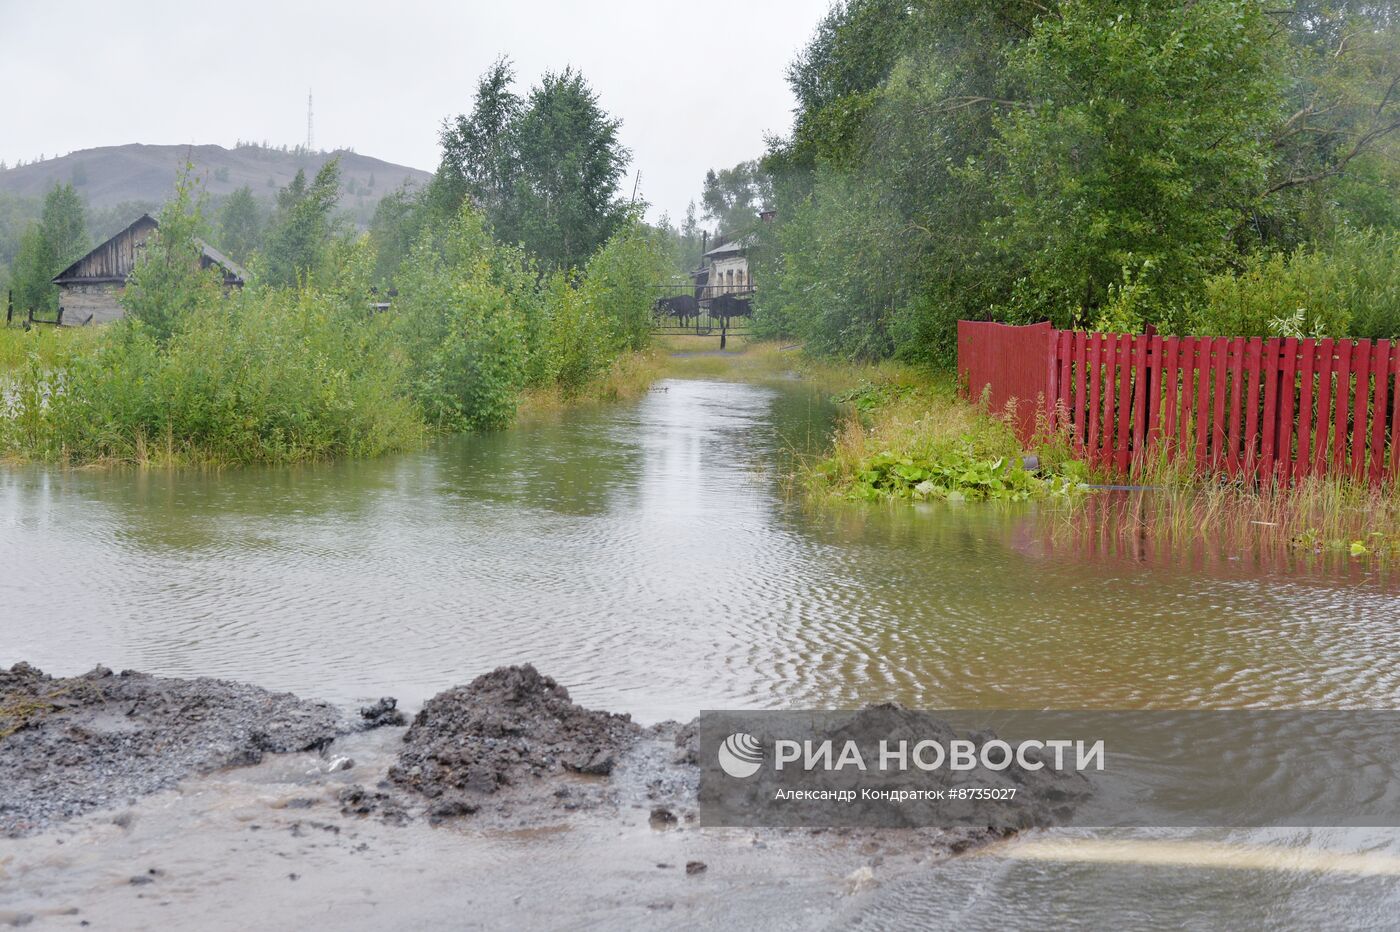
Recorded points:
(509,729)
(160,780)
(70,745)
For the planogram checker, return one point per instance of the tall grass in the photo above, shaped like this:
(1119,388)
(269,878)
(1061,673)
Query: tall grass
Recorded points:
(17,345)
(1317,515)
(264,376)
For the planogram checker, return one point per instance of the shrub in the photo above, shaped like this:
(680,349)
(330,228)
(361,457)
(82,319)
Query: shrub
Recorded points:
(168,281)
(1349,288)
(463,333)
(619,283)
(269,376)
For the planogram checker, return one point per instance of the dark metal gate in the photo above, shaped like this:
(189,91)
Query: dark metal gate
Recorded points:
(704,310)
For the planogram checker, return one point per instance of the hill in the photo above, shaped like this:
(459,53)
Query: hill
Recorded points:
(136,174)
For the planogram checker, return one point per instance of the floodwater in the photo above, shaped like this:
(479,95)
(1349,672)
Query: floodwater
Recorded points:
(647,557)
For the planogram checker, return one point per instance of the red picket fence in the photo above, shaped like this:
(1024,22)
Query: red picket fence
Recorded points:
(1265,409)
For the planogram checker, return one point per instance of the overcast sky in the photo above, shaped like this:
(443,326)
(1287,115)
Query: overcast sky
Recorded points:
(696,84)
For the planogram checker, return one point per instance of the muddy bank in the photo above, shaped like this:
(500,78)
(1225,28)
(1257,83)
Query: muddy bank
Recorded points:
(509,750)
(71,745)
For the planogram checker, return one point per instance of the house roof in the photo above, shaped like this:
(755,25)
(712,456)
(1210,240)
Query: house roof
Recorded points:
(215,257)
(211,256)
(730,248)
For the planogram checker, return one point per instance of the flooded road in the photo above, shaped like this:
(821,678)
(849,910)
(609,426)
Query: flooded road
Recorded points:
(646,556)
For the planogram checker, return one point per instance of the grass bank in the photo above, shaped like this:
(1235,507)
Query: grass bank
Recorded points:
(629,377)
(906,435)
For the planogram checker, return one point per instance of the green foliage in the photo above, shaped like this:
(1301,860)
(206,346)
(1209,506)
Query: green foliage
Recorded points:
(569,164)
(733,197)
(271,375)
(1143,132)
(241,224)
(1085,161)
(461,331)
(479,149)
(620,282)
(48,247)
(957,473)
(303,226)
(398,222)
(545,169)
(1350,287)
(169,282)
(575,338)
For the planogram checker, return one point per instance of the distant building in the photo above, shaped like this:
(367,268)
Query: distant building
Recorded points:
(89,288)
(724,270)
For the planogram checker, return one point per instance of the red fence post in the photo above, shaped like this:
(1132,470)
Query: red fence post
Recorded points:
(1081,387)
(1303,465)
(1140,380)
(1064,346)
(1269,423)
(1380,369)
(1203,405)
(1360,425)
(1339,417)
(1237,354)
(1326,354)
(1283,450)
(1126,395)
(1250,452)
(1154,393)
(1189,347)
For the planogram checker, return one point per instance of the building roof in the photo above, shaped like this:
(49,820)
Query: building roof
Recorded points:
(732,247)
(214,257)
(104,262)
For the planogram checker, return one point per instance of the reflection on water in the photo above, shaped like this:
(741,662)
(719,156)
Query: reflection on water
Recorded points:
(645,555)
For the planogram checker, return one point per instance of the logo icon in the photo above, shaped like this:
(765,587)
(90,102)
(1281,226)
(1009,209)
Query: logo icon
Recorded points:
(741,755)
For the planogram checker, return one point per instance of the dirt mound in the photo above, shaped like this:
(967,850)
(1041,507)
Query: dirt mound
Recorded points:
(70,745)
(506,728)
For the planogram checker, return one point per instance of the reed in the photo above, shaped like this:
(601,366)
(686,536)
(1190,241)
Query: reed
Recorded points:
(1316,515)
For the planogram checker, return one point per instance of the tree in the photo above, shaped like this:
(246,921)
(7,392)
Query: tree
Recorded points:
(240,224)
(543,170)
(569,162)
(478,158)
(48,247)
(399,219)
(1142,139)
(733,197)
(169,282)
(1077,160)
(303,226)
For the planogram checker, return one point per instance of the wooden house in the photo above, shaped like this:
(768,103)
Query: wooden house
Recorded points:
(89,288)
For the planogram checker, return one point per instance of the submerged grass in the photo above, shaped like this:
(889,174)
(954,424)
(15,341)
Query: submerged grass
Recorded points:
(629,377)
(1317,515)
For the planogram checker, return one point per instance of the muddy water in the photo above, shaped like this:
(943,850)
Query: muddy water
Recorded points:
(645,556)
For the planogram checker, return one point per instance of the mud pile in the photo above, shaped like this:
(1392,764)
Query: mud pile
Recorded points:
(71,745)
(505,729)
